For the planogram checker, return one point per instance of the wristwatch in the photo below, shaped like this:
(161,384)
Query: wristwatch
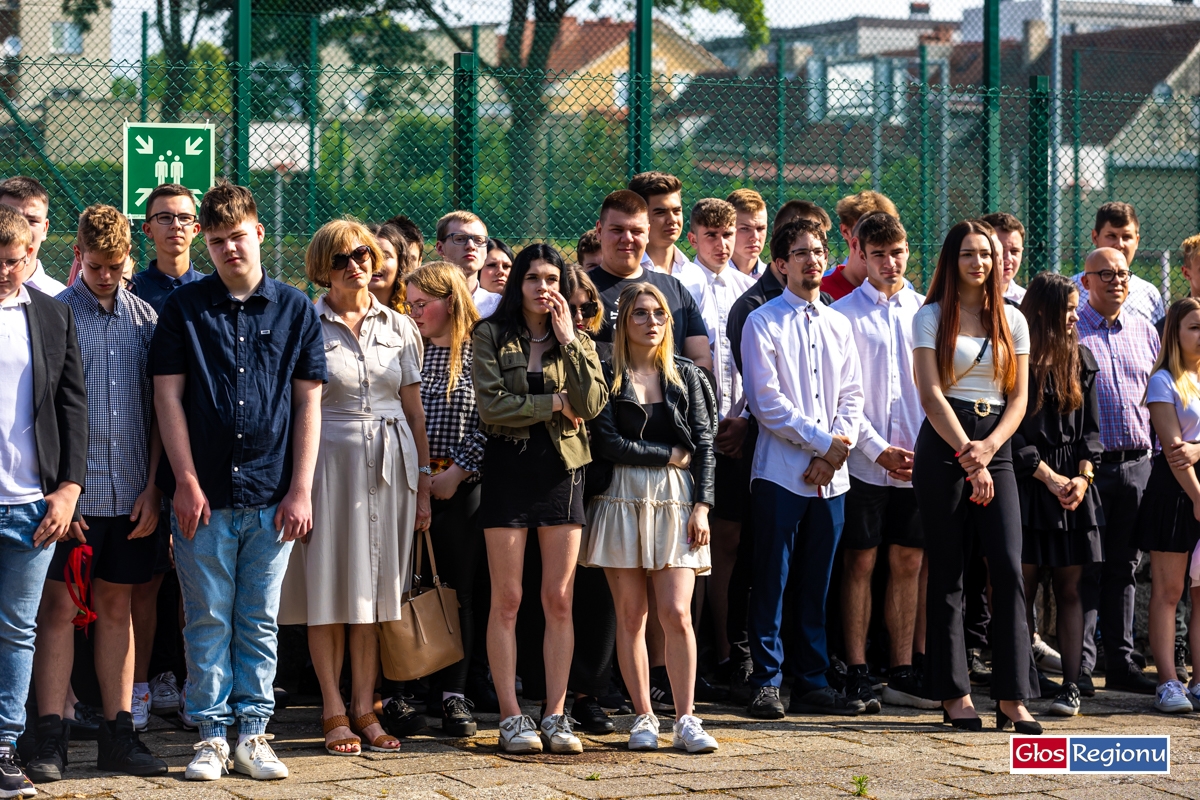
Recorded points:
(425,470)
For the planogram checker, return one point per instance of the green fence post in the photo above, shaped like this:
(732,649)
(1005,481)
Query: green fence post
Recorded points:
(145,71)
(926,166)
(640,65)
(466,146)
(780,122)
(1038,179)
(991,105)
(1076,138)
(314,113)
(241,88)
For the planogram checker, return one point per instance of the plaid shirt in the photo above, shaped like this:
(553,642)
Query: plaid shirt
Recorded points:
(120,401)
(452,425)
(1144,299)
(1126,351)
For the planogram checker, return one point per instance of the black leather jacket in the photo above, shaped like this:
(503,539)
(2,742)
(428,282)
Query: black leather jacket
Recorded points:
(617,430)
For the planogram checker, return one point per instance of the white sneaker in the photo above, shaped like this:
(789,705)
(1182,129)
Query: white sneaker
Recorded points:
(140,708)
(690,736)
(1046,657)
(164,694)
(185,717)
(211,760)
(1193,696)
(518,734)
(558,736)
(644,734)
(254,757)
(1172,698)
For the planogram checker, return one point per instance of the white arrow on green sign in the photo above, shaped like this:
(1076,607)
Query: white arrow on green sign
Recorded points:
(165,152)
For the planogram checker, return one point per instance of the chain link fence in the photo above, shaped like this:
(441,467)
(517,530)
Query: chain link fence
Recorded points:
(531,113)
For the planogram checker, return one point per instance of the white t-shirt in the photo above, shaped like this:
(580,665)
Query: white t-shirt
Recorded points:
(978,383)
(1162,389)
(20,477)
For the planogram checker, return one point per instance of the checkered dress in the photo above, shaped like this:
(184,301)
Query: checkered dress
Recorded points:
(452,425)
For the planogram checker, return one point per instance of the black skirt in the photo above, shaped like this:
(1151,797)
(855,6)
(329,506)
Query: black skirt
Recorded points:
(1053,536)
(1166,521)
(527,484)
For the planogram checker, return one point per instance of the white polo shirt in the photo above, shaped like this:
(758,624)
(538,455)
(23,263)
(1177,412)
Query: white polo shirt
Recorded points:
(20,477)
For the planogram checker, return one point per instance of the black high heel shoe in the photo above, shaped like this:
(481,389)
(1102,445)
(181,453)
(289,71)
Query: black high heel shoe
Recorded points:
(970,724)
(1023,727)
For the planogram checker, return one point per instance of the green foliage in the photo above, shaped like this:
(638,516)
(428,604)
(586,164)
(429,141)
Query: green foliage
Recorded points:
(204,84)
(860,785)
(124,89)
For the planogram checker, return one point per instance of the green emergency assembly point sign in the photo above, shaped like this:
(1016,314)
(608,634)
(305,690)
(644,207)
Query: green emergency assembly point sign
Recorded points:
(162,152)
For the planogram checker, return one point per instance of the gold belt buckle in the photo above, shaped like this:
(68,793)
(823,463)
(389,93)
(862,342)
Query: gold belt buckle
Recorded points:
(982,408)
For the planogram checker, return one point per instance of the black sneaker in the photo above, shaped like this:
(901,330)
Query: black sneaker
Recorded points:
(837,673)
(1130,679)
(1181,658)
(591,716)
(766,704)
(120,750)
(660,690)
(86,725)
(979,672)
(858,685)
(705,692)
(13,782)
(1047,687)
(49,761)
(457,720)
(741,690)
(1085,685)
(1066,702)
(826,700)
(1138,659)
(615,700)
(400,719)
(904,688)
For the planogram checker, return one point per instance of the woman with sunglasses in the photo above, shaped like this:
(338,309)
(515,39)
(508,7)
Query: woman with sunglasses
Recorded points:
(652,520)
(585,310)
(371,487)
(537,380)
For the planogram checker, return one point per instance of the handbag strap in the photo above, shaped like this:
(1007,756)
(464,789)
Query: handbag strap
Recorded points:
(974,363)
(419,561)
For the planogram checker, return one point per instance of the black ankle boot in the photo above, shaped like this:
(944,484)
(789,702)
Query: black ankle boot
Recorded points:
(120,749)
(50,759)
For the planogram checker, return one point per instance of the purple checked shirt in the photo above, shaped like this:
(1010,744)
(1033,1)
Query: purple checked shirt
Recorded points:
(1126,351)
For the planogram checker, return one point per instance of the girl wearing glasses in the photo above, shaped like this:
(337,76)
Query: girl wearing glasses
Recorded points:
(370,489)
(1168,524)
(537,380)
(441,306)
(970,356)
(652,520)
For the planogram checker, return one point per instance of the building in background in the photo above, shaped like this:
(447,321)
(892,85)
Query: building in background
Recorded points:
(1078,16)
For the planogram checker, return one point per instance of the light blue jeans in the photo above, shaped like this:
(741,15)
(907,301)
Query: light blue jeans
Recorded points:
(22,576)
(231,574)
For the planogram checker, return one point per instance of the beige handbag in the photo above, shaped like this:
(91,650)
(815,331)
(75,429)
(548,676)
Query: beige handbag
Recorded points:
(427,636)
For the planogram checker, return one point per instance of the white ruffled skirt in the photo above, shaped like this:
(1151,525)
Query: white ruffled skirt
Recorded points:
(640,522)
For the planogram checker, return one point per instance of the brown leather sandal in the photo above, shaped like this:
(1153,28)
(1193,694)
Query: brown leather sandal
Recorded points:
(340,721)
(385,743)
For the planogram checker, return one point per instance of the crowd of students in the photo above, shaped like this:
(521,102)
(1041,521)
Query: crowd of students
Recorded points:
(629,442)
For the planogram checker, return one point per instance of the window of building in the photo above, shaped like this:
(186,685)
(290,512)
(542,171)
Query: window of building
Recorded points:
(66,38)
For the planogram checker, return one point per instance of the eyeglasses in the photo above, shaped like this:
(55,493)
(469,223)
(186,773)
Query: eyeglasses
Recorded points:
(360,255)
(642,317)
(464,239)
(418,308)
(1110,275)
(166,219)
(13,264)
(804,254)
(586,310)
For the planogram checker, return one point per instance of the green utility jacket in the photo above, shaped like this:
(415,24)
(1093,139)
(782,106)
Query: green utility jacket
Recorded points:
(502,389)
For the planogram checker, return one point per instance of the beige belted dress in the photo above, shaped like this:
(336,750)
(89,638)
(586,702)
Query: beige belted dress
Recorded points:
(356,564)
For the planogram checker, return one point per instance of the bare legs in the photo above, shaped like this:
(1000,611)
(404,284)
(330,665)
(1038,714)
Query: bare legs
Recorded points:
(327,645)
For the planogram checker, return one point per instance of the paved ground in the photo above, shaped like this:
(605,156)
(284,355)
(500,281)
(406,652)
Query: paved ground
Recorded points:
(902,753)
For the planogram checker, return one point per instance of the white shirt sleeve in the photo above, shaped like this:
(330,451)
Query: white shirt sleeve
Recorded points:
(1019,328)
(925,327)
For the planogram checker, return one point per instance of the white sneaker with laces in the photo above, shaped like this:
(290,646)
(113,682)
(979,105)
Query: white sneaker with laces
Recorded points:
(185,717)
(1172,698)
(690,736)
(139,707)
(558,736)
(644,733)
(518,734)
(1046,657)
(164,694)
(211,760)
(254,757)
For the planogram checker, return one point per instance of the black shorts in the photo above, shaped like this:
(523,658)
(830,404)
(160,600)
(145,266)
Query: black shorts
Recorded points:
(115,557)
(878,515)
(162,540)
(732,489)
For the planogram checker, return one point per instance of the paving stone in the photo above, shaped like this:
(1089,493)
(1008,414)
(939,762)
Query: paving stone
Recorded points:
(89,782)
(633,769)
(1122,791)
(447,762)
(704,781)
(188,791)
(1007,784)
(616,787)
(401,787)
(515,791)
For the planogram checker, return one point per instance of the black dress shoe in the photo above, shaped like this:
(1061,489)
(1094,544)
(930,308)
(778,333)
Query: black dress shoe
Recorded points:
(971,724)
(592,717)
(1047,687)
(1130,679)
(120,750)
(979,672)
(766,704)
(705,692)
(1021,726)
(86,725)
(49,760)
(400,719)
(1086,687)
(741,690)
(457,719)
(826,700)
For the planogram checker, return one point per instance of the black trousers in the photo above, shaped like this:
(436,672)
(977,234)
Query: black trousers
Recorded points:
(458,545)
(1107,589)
(951,521)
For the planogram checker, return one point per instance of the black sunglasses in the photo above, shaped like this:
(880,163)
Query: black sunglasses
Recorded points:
(360,255)
(587,310)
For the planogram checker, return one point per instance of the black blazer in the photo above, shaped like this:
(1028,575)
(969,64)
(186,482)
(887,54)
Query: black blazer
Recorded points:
(60,412)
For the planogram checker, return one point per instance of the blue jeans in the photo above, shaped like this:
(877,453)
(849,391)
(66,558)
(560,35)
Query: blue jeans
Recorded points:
(801,534)
(22,576)
(231,574)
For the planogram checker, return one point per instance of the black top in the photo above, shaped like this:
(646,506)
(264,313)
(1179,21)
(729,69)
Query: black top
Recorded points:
(240,358)
(685,314)
(537,382)
(659,425)
(1062,441)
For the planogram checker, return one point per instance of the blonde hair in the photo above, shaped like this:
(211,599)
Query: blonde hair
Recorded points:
(13,228)
(1191,248)
(852,208)
(444,280)
(746,201)
(103,229)
(331,239)
(462,217)
(664,356)
(1170,355)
